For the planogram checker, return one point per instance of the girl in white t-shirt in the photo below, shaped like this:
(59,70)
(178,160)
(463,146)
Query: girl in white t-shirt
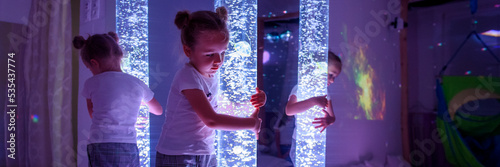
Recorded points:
(187,137)
(294,107)
(113,102)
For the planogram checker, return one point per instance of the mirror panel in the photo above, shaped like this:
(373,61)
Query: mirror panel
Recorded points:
(278,32)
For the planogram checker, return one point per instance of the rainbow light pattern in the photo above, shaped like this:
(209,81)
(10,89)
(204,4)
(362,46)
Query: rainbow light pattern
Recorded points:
(34,118)
(312,78)
(370,99)
(238,79)
(132,29)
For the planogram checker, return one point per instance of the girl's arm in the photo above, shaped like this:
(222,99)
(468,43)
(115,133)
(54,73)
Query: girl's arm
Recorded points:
(293,107)
(154,107)
(330,109)
(204,110)
(90,107)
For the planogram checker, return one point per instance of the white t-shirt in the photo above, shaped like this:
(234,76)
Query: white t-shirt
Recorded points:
(116,99)
(183,132)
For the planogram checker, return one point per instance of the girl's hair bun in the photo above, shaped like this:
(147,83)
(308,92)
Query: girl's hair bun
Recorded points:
(181,19)
(78,42)
(113,35)
(222,12)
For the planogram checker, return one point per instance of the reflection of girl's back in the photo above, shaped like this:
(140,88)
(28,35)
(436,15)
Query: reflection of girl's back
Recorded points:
(283,129)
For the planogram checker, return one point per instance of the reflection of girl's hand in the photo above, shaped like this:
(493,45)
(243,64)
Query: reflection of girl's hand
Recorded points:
(324,121)
(320,101)
(259,98)
(258,121)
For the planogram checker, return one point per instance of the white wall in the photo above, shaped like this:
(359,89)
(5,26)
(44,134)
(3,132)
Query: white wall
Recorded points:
(15,11)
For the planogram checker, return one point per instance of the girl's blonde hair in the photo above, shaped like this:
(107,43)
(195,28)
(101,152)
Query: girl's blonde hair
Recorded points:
(193,24)
(98,46)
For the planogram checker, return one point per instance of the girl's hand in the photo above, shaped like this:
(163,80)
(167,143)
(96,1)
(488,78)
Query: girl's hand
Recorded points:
(325,121)
(259,98)
(258,121)
(320,101)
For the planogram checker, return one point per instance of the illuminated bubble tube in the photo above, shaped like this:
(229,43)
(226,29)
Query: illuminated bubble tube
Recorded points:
(132,29)
(312,78)
(238,79)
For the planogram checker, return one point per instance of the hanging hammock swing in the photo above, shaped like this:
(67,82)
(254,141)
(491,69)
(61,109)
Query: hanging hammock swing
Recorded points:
(468,116)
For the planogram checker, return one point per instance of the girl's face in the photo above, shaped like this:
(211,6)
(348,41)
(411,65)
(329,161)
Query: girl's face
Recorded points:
(333,72)
(207,55)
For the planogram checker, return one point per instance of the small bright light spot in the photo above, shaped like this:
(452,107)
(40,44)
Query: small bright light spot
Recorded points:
(493,33)
(468,72)
(34,118)
(286,35)
(265,57)
(272,37)
(440,44)
(484,49)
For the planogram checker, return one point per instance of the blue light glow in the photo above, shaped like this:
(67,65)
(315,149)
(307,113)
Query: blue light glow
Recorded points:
(238,79)
(132,29)
(312,74)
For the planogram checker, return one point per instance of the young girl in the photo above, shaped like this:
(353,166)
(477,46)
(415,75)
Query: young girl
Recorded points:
(113,101)
(334,69)
(293,107)
(188,134)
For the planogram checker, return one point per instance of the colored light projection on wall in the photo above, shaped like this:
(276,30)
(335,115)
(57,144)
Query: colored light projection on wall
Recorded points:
(370,99)
(132,29)
(238,79)
(312,77)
